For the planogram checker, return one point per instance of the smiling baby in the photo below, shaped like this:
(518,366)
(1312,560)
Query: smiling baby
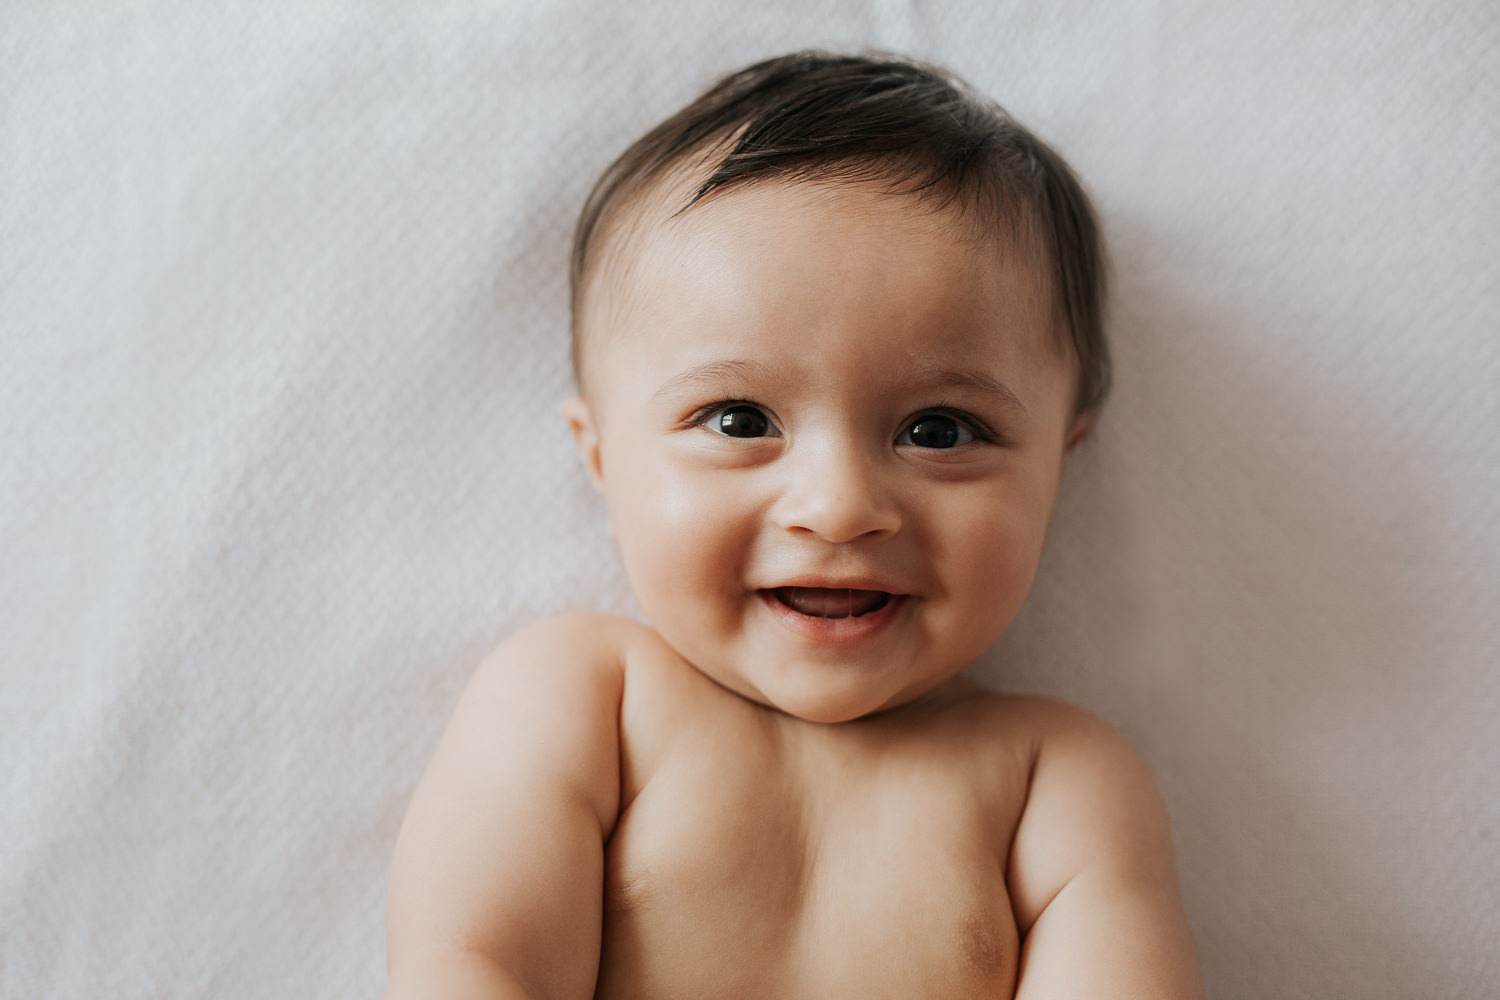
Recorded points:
(837,326)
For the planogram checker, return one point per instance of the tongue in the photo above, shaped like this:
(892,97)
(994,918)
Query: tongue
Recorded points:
(819,602)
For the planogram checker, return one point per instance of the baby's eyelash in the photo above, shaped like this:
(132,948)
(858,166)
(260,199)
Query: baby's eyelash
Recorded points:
(980,430)
(978,427)
(700,416)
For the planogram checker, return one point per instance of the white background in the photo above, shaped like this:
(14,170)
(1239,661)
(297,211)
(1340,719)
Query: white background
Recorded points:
(282,340)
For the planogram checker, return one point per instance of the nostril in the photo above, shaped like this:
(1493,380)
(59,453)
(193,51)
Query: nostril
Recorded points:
(837,496)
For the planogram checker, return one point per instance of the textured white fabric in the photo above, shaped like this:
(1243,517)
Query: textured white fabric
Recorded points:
(282,340)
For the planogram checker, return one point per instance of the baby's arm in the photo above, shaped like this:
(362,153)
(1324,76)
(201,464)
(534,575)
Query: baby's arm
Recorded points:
(496,887)
(1091,873)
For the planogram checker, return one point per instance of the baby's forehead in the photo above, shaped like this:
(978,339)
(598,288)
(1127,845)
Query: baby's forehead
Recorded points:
(774,255)
(664,221)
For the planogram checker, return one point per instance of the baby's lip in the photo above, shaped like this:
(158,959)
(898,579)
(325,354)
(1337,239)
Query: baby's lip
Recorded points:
(832,602)
(884,586)
(840,597)
(834,616)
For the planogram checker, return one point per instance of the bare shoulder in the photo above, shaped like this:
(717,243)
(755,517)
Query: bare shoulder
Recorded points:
(580,655)
(529,760)
(1091,803)
(580,641)
(1031,724)
(1091,866)
(1039,728)
(550,695)
(1056,727)
(1086,798)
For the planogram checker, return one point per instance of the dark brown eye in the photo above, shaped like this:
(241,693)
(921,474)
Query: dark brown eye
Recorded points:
(936,431)
(741,422)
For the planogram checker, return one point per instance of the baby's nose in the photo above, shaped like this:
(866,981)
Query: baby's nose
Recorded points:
(839,497)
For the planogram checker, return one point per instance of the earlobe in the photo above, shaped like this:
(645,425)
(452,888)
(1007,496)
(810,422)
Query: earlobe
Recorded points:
(1083,425)
(586,436)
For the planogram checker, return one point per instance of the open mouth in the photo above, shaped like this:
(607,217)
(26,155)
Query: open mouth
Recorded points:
(831,602)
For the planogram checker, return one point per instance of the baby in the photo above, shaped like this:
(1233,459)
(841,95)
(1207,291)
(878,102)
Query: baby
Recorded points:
(837,326)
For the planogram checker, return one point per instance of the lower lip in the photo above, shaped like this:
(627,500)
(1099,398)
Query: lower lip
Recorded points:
(834,631)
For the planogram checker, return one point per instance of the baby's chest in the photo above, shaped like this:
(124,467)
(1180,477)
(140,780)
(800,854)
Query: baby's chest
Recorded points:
(752,873)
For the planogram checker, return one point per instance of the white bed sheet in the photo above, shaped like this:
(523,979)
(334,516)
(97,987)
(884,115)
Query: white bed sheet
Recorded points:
(282,339)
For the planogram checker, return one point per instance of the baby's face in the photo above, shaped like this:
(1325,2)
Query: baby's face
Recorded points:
(829,434)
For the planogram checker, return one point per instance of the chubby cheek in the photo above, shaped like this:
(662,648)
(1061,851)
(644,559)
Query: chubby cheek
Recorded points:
(990,564)
(684,542)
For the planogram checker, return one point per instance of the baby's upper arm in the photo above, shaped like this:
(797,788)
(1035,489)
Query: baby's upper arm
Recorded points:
(499,865)
(1091,872)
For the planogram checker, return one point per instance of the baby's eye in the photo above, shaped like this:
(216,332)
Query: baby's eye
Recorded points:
(741,421)
(934,430)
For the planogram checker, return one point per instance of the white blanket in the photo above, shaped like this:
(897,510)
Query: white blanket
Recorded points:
(282,340)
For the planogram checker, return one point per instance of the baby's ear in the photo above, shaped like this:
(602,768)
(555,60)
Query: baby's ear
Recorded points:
(1083,424)
(586,435)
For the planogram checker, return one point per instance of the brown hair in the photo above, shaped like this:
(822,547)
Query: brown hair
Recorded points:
(813,115)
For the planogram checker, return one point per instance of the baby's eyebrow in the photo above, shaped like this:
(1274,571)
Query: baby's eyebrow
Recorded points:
(978,380)
(715,373)
(712,374)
